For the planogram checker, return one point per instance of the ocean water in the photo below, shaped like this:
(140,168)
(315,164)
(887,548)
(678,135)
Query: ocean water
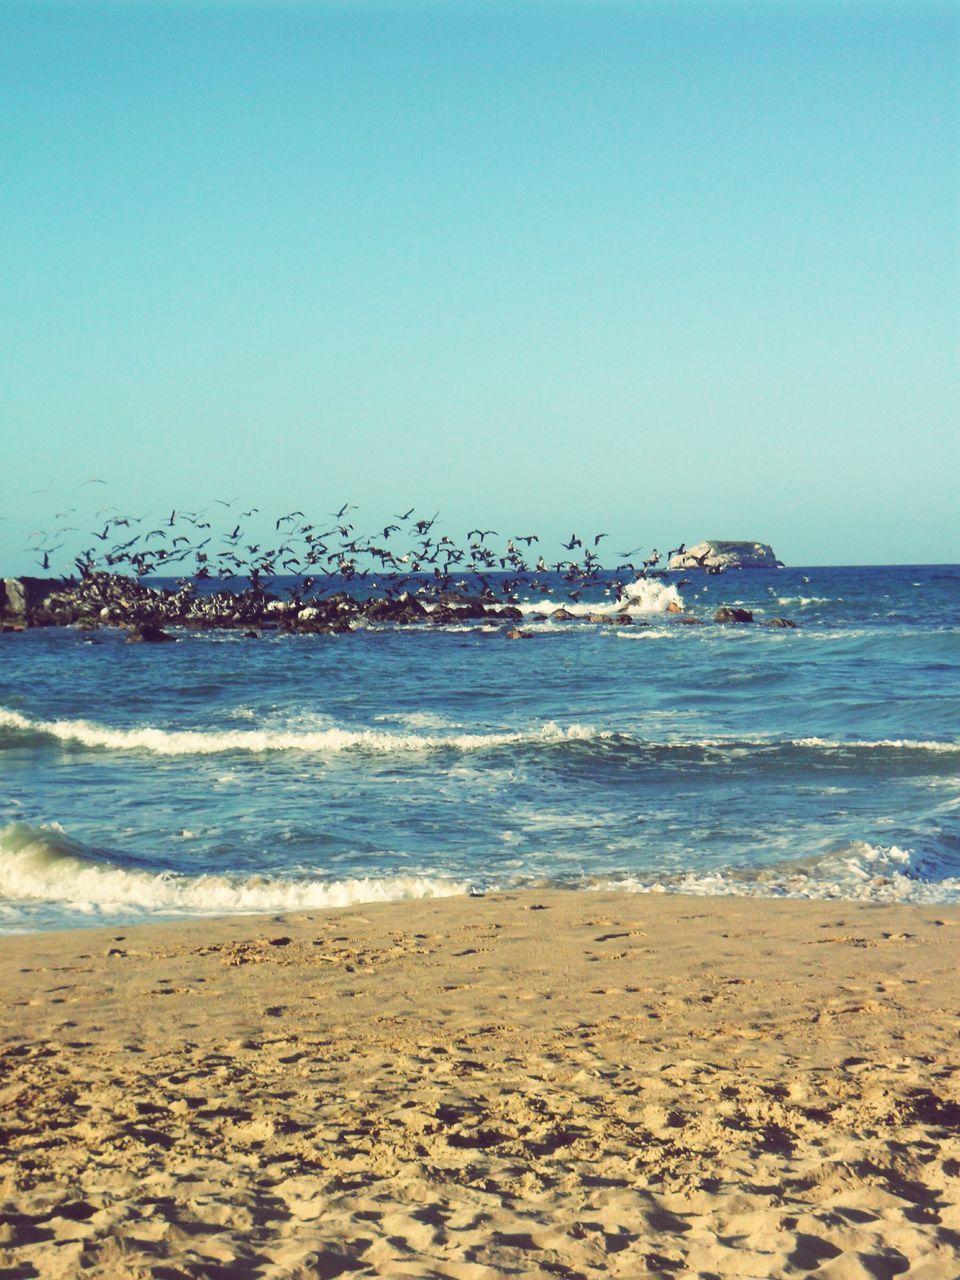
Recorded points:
(223,774)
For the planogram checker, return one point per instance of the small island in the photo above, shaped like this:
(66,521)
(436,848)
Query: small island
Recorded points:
(717,556)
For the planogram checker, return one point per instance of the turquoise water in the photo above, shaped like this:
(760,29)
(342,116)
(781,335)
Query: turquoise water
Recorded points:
(225,774)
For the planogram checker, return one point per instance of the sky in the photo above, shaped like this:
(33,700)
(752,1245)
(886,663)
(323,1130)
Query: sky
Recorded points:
(671,271)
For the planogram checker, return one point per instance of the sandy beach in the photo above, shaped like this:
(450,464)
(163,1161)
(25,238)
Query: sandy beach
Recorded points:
(565,1084)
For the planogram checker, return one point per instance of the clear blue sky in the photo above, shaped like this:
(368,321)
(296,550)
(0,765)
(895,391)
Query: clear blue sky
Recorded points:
(668,270)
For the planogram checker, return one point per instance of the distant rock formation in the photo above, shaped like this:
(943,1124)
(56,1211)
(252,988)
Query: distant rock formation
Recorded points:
(717,556)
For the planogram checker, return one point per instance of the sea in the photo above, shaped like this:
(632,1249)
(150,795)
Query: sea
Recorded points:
(224,774)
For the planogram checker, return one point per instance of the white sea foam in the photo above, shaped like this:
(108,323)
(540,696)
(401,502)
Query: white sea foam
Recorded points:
(878,744)
(650,633)
(175,742)
(838,635)
(646,596)
(861,872)
(746,742)
(805,601)
(418,720)
(41,864)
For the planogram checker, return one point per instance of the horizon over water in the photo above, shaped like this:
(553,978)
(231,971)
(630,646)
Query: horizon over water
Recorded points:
(222,774)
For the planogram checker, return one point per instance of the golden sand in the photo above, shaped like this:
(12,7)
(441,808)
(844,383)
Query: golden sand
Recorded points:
(562,1084)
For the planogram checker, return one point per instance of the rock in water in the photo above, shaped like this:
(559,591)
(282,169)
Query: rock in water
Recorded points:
(728,614)
(148,633)
(20,597)
(726,555)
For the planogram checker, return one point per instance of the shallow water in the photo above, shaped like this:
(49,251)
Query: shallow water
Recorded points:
(222,774)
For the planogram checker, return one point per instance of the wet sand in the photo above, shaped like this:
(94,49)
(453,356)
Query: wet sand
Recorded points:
(547,1084)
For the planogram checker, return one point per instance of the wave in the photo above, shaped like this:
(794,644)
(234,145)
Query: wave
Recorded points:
(43,865)
(176,742)
(860,872)
(877,744)
(41,868)
(646,596)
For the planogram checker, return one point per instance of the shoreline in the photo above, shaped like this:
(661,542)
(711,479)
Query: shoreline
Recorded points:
(301,916)
(529,1082)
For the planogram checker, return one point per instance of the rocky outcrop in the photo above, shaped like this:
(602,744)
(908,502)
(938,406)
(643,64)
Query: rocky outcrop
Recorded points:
(402,610)
(726,613)
(717,556)
(109,599)
(21,598)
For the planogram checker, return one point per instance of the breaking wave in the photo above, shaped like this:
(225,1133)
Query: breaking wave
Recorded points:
(43,865)
(879,744)
(860,872)
(176,742)
(646,596)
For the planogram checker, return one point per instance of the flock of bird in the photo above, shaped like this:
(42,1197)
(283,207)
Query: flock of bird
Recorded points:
(406,553)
